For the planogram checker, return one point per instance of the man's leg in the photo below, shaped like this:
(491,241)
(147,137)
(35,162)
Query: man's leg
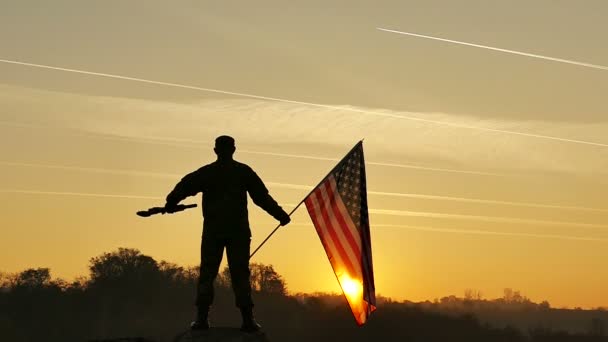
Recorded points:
(237,250)
(211,257)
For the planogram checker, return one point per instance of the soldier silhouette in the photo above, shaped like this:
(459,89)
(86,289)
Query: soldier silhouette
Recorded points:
(225,184)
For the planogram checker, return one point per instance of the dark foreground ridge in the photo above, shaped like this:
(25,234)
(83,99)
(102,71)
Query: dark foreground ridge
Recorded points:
(130,297)
(125,339)
(220,335)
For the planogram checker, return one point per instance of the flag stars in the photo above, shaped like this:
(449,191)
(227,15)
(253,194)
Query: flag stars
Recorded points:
(351,185)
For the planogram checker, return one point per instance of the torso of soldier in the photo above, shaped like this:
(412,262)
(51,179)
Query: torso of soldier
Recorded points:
(224,187)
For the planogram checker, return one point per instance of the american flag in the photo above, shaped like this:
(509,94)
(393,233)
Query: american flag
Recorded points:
(338,209)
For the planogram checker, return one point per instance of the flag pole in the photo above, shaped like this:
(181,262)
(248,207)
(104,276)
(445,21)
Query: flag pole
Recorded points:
(305,197)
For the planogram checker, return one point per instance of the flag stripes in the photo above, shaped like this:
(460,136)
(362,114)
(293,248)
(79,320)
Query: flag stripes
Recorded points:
(338,209)
(336,236)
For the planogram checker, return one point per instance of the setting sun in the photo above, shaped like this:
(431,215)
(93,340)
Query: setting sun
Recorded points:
(483,187)
(352,288)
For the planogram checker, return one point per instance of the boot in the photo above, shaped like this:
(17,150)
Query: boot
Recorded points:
(202,319)
(249,323)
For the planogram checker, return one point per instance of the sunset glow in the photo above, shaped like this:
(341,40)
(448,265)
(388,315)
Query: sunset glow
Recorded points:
(486,168)
(353,289)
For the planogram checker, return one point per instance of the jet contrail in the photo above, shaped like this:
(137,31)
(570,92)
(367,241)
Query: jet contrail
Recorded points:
(481,218)
(513,52)
(305,187)
(94,169)
(486,232)
(80,194)
(302,156)
(495,219)
(473,232)
(346,109)
(485,201)
(452,199)
(431,229)
(403,166)
(165,141)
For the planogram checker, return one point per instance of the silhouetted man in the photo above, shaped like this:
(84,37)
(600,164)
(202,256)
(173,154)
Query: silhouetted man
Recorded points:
(225,184)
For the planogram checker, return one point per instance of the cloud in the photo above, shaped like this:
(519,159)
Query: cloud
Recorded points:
(259,122)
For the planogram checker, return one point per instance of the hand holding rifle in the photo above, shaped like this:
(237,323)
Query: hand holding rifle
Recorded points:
(167,209)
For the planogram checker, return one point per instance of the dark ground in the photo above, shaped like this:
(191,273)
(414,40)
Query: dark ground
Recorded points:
(129,294)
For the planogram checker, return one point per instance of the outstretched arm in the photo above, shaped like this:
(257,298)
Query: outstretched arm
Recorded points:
(190,185)
(260,196)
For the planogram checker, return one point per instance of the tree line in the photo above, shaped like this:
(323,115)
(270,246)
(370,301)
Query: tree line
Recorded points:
(129,294)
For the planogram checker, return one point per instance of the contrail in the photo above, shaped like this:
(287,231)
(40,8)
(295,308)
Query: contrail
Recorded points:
(94,169)
(165,141)
(138,173)
(80,194)
(302,156)
(431,229)
(485,201)
(486,232)
(495,219)
(403,166)
(481,218)
(473,232)
(453,199)
(513,52)
(317,105)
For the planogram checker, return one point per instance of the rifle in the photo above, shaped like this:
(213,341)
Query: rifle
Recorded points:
(165,210)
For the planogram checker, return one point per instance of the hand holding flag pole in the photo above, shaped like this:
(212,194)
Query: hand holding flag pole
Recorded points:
(302,201)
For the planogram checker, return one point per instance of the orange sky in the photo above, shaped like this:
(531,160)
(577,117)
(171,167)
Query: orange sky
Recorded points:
(452,208)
